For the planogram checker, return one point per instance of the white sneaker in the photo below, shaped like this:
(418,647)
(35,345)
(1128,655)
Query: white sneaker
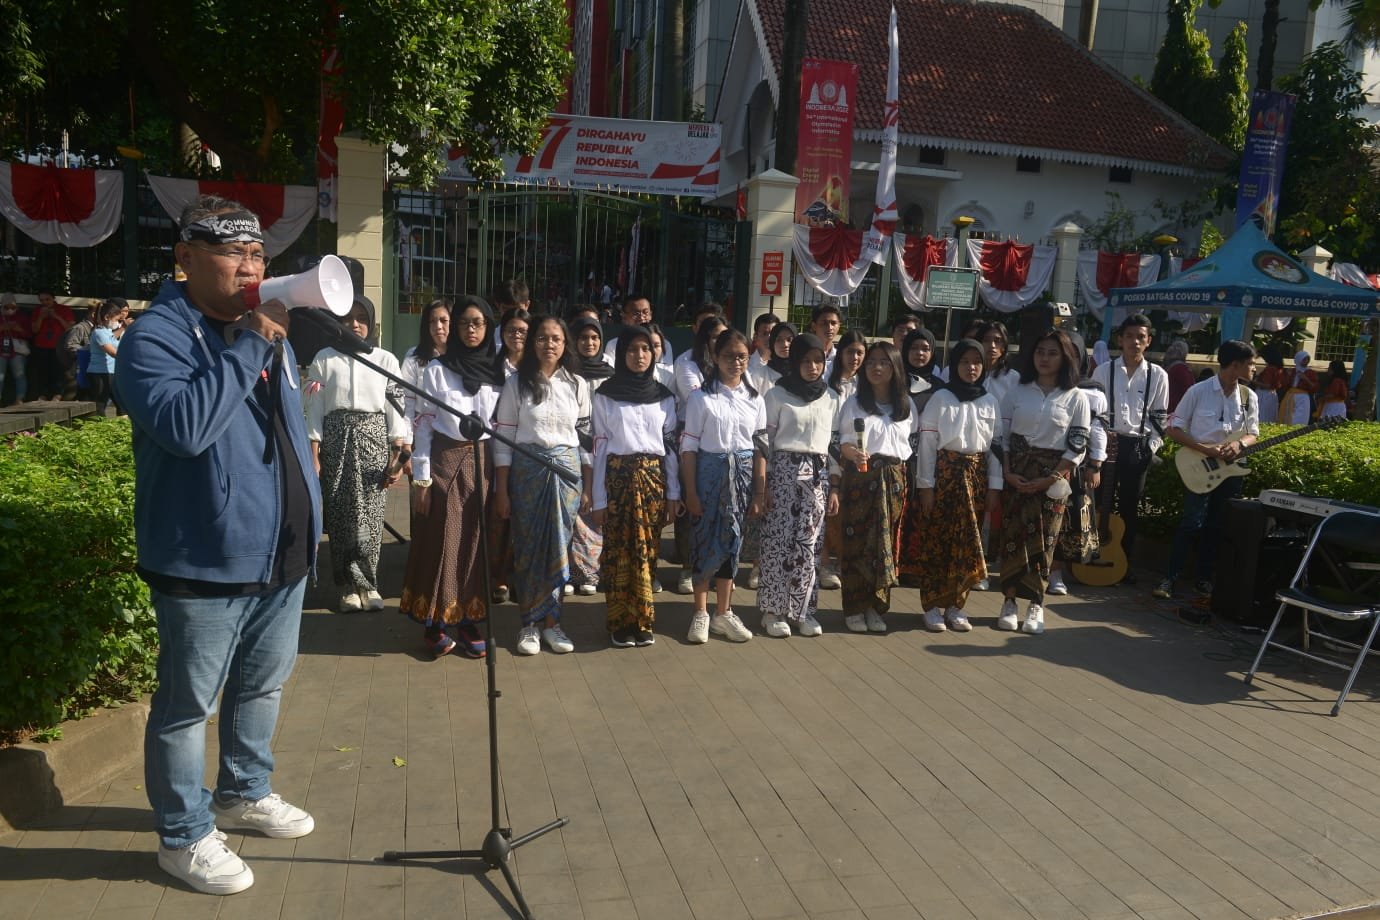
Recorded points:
(685,585)
(829,576)
(984,585)
(934,620)
(557,640)
(699,628)
(874,621)
(856,623)
(957,620)
(730,627)
(1034,620)
(776,626)
(270,816)
(809,627)
(1008,619)
(587,590)
(350,602)
(372,600)
(1056,584)
(529,640)
(754,578)
(208,865)
(567,589)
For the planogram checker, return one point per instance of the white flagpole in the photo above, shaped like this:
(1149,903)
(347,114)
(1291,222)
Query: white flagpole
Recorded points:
(878,237)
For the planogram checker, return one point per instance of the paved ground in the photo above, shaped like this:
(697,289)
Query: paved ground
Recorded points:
(1115,767)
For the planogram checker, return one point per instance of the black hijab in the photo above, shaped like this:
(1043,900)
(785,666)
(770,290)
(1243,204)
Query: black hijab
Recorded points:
(595,368)
(781,365)
(916,371)
(791,381)
(370,322)
(626,386)
(966,392)
(475,366)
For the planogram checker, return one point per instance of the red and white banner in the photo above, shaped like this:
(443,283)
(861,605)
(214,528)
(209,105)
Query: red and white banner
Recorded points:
(1013,275)
(284,210)
(74,207)
(830,258)
(1352,274)
(1099,272)
(824,161)
(914,257)
(879,231)
(653,157)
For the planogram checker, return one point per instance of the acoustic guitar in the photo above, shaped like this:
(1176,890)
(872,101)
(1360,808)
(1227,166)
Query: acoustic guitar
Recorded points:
(1109,565)
(1201,473)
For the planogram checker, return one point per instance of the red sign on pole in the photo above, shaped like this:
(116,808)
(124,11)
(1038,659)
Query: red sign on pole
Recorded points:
(773,267)
(825,145)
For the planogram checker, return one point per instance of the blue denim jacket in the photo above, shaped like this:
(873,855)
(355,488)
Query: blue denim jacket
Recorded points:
(206,504)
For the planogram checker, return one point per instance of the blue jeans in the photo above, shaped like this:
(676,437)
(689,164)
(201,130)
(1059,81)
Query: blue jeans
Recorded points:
(1202,515)
(246,645)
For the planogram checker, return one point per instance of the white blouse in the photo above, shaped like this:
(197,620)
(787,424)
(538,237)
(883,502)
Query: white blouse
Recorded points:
(688,379)
(1209,415)
(799,427)
(1097,434)
(1044,420)
(763,378)
(1000,384)
(550,423)
(622,429)
(723,421)
(962,427)
(335,381)
(445,386)
(882,435)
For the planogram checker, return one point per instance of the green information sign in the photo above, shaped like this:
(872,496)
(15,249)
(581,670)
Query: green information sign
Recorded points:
(954,288)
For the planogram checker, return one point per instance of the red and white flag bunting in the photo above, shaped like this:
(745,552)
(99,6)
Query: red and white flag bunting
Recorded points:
(74,207)
(1099,272)
(914,256)
(1352,274)
(830,258)
(1013,275)
(284,210)
(878,236)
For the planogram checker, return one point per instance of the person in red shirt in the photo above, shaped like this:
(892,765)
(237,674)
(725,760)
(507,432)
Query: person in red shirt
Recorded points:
(49,322)
(14,345)
(1180,374)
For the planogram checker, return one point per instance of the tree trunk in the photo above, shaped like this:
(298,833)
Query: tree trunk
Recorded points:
(1269,35)
(788,106)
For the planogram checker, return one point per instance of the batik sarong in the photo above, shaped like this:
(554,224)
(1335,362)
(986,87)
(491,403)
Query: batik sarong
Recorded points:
(870,504)
(1031,522)
(354,457)
(544,507)
(949,560)
(586,546)
(444,583)
(793,534)
(632,537)
(724,485)
(1078,540)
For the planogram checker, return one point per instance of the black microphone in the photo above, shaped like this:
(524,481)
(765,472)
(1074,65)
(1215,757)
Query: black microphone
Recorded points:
(311,329)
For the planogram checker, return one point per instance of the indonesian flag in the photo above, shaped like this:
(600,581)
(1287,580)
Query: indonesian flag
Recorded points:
(914,256)
(74,207)
(1013,275)
(1099,272)
(284,210)
(878,235)
(830,258)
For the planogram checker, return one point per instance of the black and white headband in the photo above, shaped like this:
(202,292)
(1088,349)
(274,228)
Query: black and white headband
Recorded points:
(231,227)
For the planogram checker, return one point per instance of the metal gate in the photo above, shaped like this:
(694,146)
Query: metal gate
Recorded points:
(569,246)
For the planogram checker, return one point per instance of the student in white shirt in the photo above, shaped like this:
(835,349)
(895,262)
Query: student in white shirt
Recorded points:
(778,362)
(636,484)
(1079,540)
(514,329)
(431,342)
(800,414)
(443,585)
(957,479)
(919,358)
(1211,412)
(1045,423)
(825,323)
(872,485)
(761,347)
(588,542)
(637,311)
(843,376)
(543,407)
(351,424)
(690,370)
(724,479)
(996,347)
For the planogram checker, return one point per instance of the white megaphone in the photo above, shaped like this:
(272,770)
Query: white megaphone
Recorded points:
(327,286)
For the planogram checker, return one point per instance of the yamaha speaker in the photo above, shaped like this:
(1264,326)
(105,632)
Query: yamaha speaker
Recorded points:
(1252,564)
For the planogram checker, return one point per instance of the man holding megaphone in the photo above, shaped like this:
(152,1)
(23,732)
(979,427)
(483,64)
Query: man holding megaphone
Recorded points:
(227,519)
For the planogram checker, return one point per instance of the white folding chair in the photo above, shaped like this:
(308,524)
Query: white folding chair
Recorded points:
(1339,578)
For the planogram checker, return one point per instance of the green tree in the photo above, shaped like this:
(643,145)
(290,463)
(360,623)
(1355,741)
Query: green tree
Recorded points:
(1231,95)
(1216,99)
(245,78)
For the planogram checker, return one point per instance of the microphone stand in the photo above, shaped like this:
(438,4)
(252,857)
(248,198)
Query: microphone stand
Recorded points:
(499,842)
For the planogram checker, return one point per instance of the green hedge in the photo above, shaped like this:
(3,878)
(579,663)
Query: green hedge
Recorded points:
(76,627)
(1343,463)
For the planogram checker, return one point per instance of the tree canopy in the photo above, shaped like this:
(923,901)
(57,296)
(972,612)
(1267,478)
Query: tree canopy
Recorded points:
(246,78)
(1215,99)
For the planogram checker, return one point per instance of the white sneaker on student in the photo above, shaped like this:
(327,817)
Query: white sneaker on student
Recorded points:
(270,816)
(874,621)
(529,640)
(829,576)
(856,623)
(685,585)
(350,602)
(934,620)
(567,589)
(372,600)
(587,590)
(730,627)
(1034,620)
(1008,619)
(809,626)
(957,620)
(699,628)
(776,626)
(1056,584)
(557,640)
(754,578)
(208,865)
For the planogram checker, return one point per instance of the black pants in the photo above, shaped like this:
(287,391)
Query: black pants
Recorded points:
(46,380)
(1129,484)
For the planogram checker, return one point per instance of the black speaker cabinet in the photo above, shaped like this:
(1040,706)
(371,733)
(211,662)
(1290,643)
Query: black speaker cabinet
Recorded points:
(1252,564)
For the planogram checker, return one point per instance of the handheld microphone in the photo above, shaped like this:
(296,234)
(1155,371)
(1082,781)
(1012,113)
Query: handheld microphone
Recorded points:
(859,428)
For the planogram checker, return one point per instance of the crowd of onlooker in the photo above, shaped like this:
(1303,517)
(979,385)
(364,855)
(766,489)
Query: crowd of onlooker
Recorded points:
(50,352)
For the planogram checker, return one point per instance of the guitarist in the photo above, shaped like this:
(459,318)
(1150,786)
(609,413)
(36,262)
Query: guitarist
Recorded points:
(1209,413)
(1138,401)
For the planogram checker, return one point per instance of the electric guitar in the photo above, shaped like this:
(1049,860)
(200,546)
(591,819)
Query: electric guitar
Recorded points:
(1201,473)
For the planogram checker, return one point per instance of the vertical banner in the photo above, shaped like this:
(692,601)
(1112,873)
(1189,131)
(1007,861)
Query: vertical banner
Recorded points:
(883,224)
(332,122)
(1262,160)
(828,90)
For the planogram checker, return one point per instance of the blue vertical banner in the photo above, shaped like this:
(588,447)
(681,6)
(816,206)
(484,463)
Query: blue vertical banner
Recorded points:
(1262,159)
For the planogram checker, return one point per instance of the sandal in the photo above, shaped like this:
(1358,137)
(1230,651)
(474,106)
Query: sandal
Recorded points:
(441,645)
(474,644)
